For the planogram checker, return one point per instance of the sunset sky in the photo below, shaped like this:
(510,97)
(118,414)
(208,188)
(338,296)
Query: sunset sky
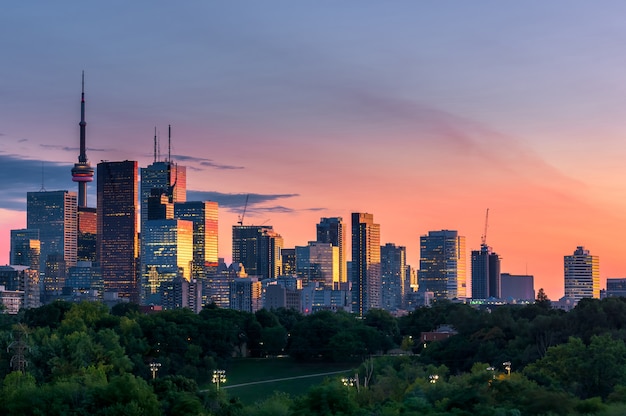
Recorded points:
(423,113)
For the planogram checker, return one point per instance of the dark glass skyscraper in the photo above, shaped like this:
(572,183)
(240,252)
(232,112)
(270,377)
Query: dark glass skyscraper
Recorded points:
(258,248)
(366,283)
(393,276)
(485,273)
(54,214)
(25,248)
(117,227)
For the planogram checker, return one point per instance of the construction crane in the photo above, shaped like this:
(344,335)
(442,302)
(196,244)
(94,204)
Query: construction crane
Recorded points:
(243,214)
(483,238)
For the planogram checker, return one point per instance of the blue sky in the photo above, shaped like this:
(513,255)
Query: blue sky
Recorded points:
(423,113)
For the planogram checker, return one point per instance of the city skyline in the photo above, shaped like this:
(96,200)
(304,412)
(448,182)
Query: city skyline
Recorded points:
(423,114)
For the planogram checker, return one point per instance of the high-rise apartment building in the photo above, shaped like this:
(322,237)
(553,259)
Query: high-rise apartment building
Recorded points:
(117,244)
(366,283)
(330,230)
(258,249)
(485,273)
(54,214)
(288,256)
(393,276)
(245,294)
(205,243)
(442,264)
(318,262)
(582,275)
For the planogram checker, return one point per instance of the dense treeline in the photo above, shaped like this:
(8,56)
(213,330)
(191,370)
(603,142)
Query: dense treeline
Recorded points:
(85,359)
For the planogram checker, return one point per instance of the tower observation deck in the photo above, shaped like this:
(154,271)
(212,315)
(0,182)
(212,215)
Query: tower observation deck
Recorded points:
(82,172)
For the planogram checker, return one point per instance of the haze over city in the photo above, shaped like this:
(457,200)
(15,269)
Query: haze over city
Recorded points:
(424,114)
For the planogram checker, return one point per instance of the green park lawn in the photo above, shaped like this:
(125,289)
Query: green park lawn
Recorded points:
(248,370)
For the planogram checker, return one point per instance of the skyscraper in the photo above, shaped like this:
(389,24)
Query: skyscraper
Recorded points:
(393,276)
(165,175)
(117,227)
(485,273)
(318,262)
(167,253)
(25,248)
(54,214)
(443,264)
(519,287)
(366,284)
(258,248)
(205,231)
(582,275)
(330,230)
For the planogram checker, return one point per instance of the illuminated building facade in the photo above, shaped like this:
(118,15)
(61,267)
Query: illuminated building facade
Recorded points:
(366,279)
(330,230)
(117,240)
(442,264)
(582,275)
(203,215)
(167,253)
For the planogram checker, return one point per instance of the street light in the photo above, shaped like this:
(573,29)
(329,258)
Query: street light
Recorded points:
(507,367)
(348,381)
(219,376)
(154,367)
(433,378)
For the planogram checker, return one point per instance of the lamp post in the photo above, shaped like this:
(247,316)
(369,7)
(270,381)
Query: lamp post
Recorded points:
(154,367)
(348,381)
(507,367)
(433,378)
(219,376)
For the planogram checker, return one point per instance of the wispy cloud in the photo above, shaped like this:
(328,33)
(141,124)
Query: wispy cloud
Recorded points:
(236,202)
(72,149)
(204,162)
(19,176)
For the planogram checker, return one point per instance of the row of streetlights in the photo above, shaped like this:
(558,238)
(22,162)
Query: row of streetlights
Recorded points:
(219,376)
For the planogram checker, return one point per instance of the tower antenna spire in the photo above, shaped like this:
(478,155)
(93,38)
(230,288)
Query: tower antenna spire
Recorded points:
(43,188)
(169,142)
(82,172)
(155,145)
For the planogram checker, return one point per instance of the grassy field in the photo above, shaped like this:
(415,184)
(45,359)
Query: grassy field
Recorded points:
(247,370)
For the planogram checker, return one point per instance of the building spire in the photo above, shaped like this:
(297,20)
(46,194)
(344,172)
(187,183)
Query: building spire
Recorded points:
(82,172)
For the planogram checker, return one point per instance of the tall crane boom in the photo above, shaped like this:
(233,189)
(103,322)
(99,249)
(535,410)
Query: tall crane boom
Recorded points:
(483,238)
(243,214)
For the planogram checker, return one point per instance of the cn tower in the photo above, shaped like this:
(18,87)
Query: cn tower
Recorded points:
(82,172)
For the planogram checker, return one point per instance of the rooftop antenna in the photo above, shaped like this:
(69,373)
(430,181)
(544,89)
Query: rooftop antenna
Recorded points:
(155,145)
(43,188)
(169,142)
(159,147)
